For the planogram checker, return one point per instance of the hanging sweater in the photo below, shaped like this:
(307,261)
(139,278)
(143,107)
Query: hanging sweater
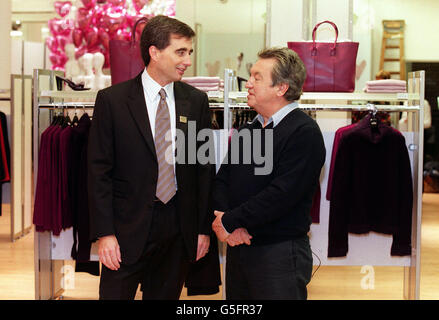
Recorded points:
(371,188)
(274,207)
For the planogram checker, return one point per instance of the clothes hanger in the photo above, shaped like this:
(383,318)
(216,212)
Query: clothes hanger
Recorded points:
(75,120)
(373,118)
(215,124)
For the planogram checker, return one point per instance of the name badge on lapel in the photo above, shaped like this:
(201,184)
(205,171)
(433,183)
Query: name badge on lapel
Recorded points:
(183,119)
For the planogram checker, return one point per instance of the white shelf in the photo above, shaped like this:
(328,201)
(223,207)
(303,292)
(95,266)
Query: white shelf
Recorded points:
(86,94)
(359,96)
(337,97)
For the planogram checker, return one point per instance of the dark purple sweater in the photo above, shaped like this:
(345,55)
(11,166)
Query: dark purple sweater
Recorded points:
(372,188)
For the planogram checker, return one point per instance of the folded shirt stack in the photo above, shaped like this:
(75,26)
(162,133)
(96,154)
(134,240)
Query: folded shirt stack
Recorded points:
(204,83)
(385,86)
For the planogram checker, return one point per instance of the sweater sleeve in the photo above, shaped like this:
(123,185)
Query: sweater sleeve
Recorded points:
(341,196)
(294,174)
(401,245)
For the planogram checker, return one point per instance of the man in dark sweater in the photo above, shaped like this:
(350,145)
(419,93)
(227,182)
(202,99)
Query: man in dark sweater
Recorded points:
(263,209)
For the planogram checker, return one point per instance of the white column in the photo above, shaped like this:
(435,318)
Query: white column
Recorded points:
(338,11)
(5,44)
(284,21)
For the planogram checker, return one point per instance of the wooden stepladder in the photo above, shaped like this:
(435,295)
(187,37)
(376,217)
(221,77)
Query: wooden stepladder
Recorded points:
(392,48)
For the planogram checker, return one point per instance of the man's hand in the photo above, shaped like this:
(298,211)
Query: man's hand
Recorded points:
(203,246)
(109,252)
(239,236)
(217,226)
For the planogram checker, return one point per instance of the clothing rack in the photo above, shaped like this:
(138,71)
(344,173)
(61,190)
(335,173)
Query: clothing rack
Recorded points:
(51,275)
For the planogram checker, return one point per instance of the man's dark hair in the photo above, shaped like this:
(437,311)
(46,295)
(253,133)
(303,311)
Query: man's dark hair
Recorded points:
(158,31)
(289,69)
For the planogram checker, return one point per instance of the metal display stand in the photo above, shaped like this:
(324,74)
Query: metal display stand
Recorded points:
(50,273)
(48,265)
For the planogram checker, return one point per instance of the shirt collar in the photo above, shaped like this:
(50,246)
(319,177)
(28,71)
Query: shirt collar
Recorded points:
(152,88)
(279,115)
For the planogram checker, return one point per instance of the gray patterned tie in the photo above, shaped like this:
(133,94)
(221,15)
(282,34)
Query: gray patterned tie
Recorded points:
(166,181)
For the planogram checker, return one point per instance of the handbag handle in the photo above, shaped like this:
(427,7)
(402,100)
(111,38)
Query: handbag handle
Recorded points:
(315,30)
(133,33)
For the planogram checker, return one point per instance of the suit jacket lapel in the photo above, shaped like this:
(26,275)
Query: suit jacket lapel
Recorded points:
(182,108)
(138,110)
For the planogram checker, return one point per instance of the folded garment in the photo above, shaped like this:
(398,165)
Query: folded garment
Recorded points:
(386,82)
(208,88)
(201,79)
(385,88)
(198,84)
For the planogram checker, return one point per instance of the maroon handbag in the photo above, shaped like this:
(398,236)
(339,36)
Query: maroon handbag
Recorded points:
(330,67)
(125,59)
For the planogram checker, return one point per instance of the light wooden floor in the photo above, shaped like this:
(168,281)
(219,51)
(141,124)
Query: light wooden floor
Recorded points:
(17,270)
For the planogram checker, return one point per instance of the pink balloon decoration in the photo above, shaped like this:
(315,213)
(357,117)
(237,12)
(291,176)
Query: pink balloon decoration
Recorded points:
(84,18)
(60,26)
(139,4)
(113,21)
(62,41)
(77,37)
(62,7)
(117,3)
(88,3)
(52,44)
(58,59)
(91,37)
(104,38)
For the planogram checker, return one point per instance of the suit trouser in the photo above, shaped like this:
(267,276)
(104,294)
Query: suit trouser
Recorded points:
(162,268)
(276,271)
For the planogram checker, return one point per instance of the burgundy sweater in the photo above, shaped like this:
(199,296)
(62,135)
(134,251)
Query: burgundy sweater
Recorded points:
(372,188)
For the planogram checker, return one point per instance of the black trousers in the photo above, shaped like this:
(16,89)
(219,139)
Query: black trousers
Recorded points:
(277,271)
(161,270)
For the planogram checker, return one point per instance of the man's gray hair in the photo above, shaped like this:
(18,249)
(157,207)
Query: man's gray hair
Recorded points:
(289,69)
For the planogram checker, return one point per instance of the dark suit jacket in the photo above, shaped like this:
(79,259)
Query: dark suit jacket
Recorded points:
(123,169)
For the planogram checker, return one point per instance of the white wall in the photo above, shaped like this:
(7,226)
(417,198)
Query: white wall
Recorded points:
(225,30)
(337,11)
(284,22)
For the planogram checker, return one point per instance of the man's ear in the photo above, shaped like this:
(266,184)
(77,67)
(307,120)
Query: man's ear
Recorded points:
(282,89)
(154,52)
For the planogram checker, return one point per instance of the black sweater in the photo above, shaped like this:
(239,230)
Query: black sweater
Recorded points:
(274,207)
(372,188)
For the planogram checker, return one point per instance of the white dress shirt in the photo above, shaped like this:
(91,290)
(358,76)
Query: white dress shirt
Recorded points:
(279,115)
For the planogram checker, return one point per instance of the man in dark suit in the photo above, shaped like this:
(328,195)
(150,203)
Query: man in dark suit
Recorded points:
(151,214)
(264,215)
